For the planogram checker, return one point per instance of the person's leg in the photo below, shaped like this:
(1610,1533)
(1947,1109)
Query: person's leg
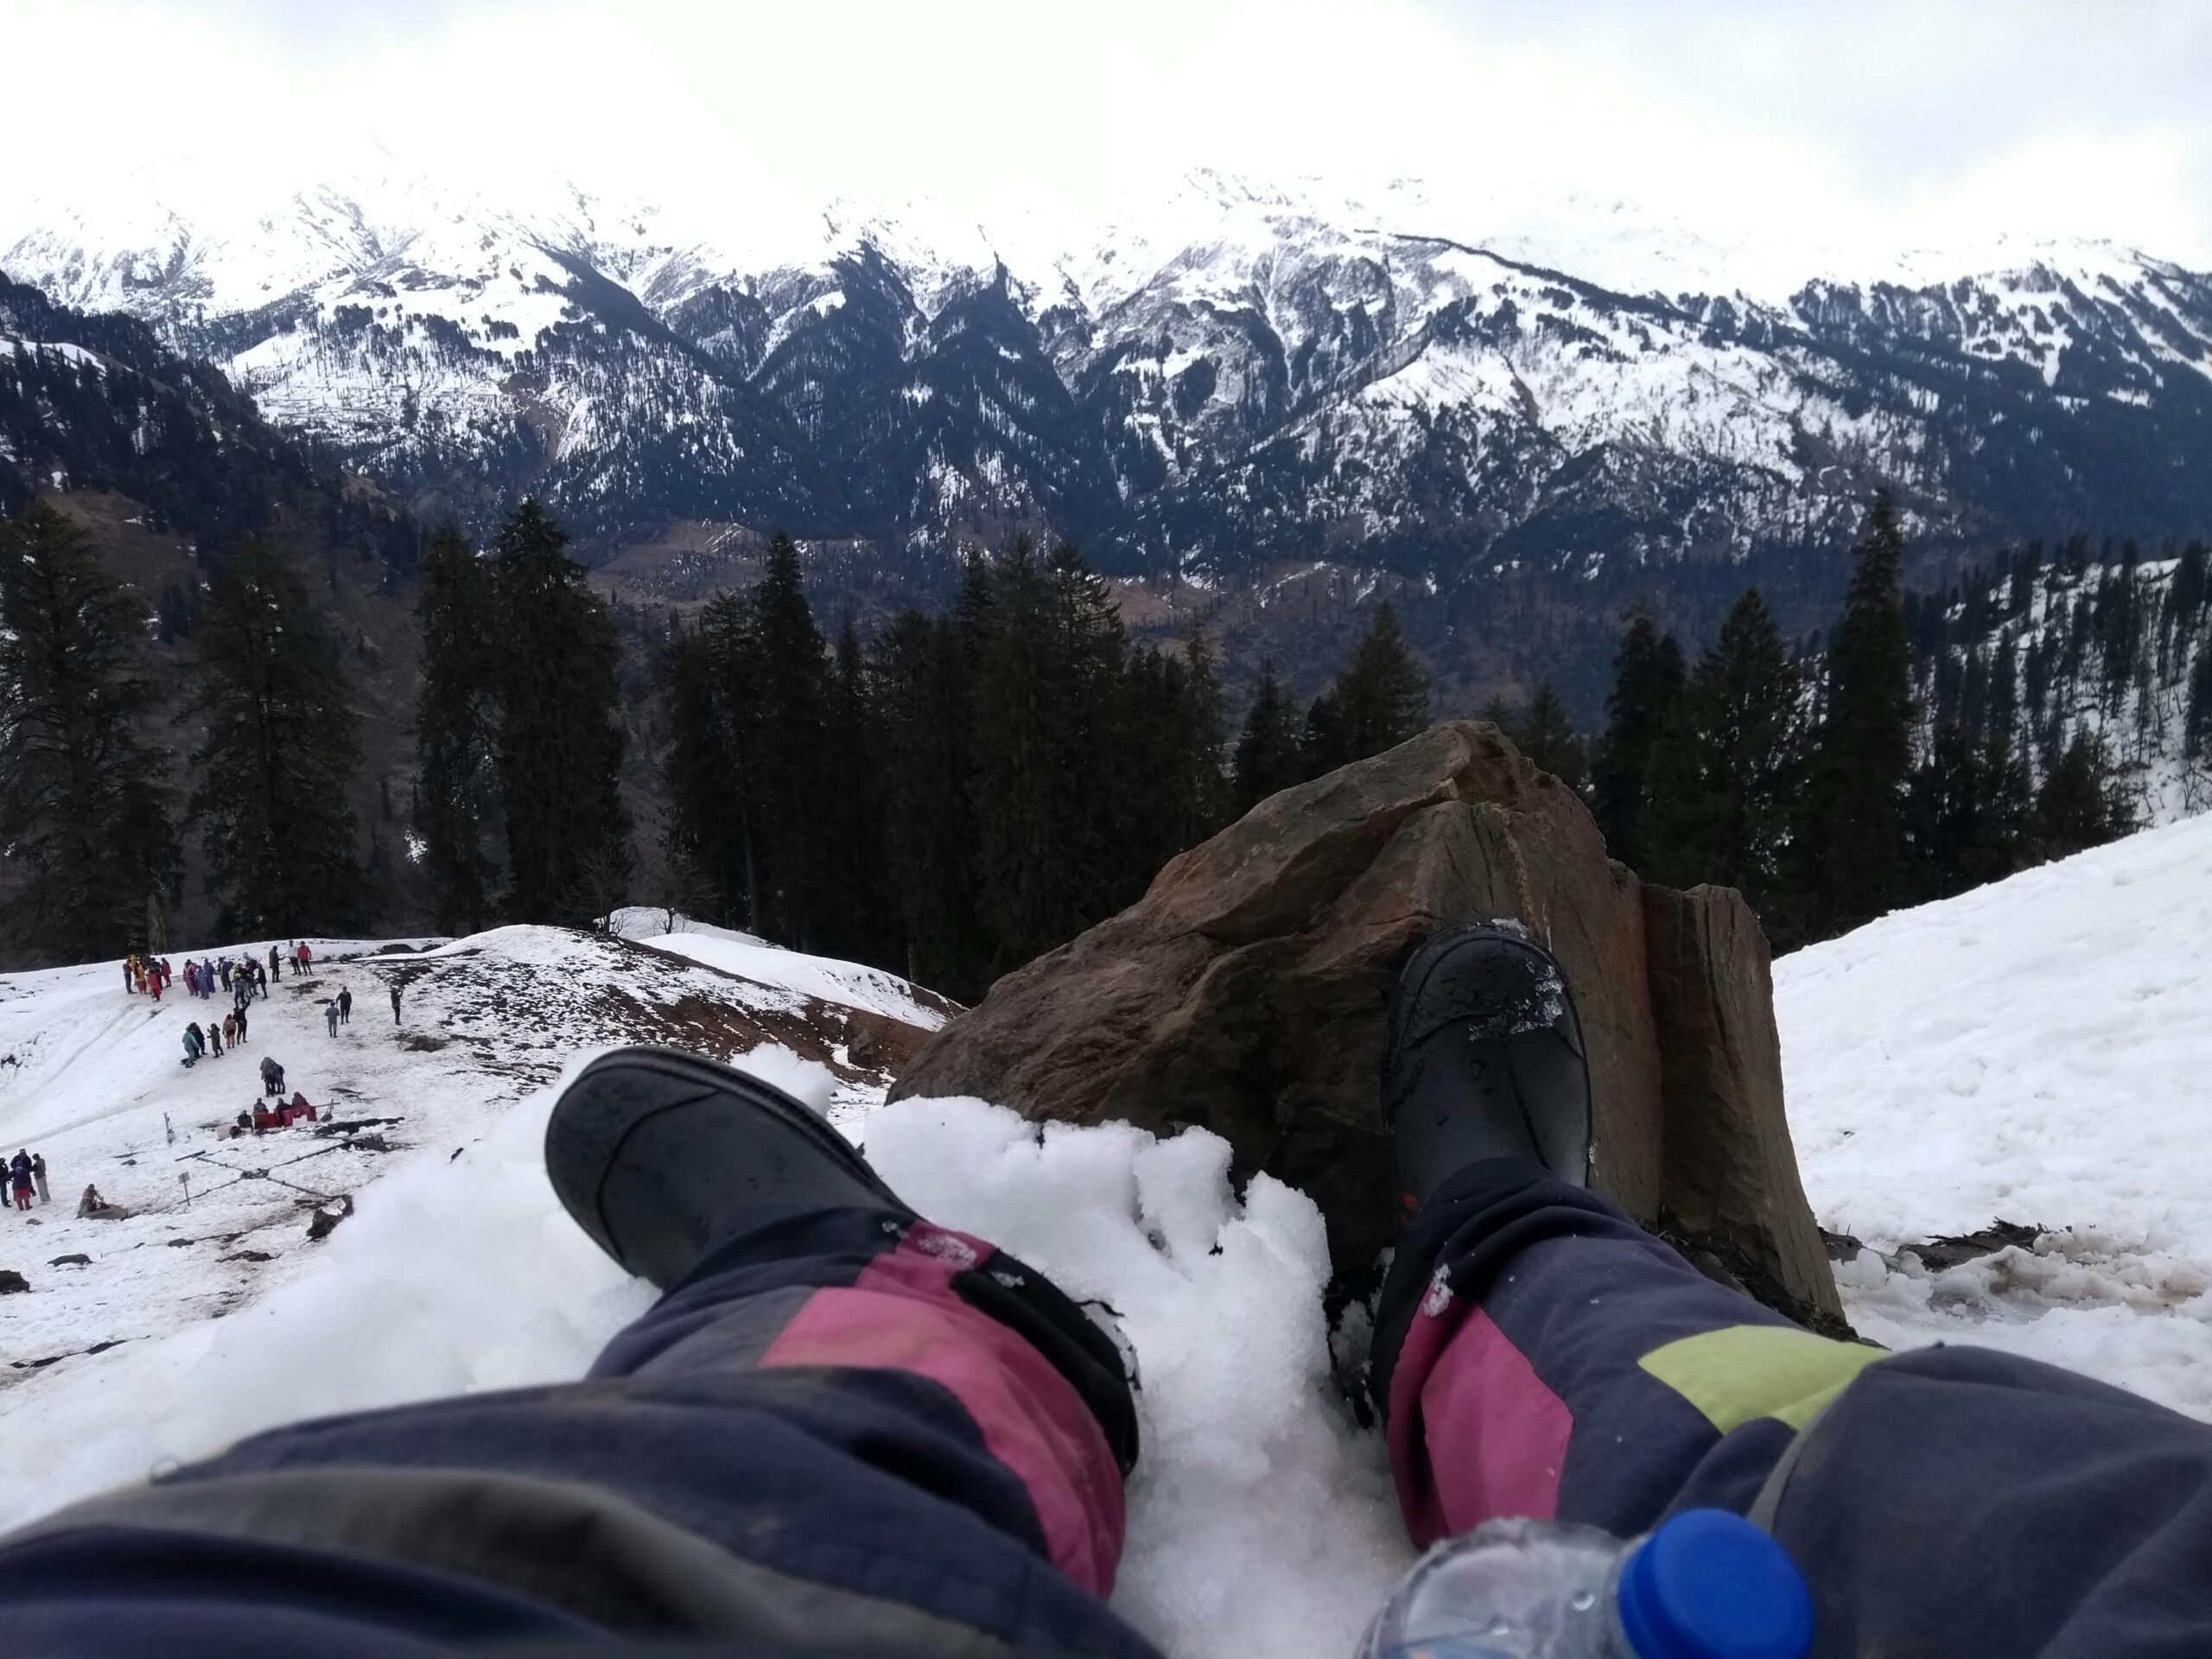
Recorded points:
(1537,1353)
(842,1429)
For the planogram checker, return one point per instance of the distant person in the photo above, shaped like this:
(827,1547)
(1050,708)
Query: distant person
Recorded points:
(224,969)
(276,964)
(395,1003)
(194,1045)
(301,958)
(130,976)
(330,1015)
(154,984)
(272,1077)
(230,1028)
(345,1005)
(191,978)
(20,1185)
(241,1036)
(215,1041)
(92,1205)
(38,1174)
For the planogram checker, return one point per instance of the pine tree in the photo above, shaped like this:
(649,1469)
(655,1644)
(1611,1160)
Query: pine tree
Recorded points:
(1267,759)
(1852,835)
(786,779)
(2079,807)
(859,921)
(83,812)
(272,777)
(1725,776)
(705,830)
(456,720)
(2197,730)
(1201,798)
(1379,700)
(559,752)
(1543,733)
(1647,678)
(923,704)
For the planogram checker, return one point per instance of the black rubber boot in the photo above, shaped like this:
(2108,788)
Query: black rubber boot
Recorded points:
(1483,1058)
(658,1155)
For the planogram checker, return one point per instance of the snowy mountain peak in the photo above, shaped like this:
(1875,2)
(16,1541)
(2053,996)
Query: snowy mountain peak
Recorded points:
(1243,366)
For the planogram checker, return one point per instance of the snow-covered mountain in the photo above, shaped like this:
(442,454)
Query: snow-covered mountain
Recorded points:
(1227,371)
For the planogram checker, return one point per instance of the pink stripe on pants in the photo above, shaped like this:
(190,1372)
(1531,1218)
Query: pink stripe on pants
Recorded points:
(902,1313)
(1474,1432)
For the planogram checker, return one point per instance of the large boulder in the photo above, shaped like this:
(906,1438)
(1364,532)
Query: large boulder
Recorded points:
(1245,992)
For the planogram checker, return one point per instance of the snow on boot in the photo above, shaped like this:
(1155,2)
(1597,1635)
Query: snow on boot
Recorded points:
(658,1155)
(1483,1058)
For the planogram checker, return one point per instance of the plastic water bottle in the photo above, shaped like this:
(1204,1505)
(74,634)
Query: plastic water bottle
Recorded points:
(1703,1585)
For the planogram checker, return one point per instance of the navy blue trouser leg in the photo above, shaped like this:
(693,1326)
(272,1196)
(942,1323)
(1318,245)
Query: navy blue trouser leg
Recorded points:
(1538,1353)
(846,1432)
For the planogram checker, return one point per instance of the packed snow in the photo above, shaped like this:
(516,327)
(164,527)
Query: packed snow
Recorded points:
(2030,1051)
(2034,1051)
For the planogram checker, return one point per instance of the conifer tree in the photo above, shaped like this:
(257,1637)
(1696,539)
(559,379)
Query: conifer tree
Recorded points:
(1648,677)
(1201,798)
(559,753)
(706,825)
(859,922)
(1851,833)
(1725,774)
(2078,806)
(922,696)
(1379,700)
(1543,733)
(2197,730)
(83,811)
(1267,760)
(456,726)
(270,780)
(786,777)
(1048,680)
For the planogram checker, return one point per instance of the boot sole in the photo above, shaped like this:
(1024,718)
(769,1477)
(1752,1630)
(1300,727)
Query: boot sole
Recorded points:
(585,1136)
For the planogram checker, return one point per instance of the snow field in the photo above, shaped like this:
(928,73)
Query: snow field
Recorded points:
(2036,1051)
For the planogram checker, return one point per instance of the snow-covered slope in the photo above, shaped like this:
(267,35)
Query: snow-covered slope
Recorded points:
(1228,367)
(2032,1051)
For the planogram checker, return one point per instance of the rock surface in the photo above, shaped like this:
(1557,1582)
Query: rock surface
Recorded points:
(1245,992)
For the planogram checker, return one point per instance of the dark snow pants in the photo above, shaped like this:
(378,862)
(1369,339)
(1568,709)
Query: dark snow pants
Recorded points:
(848,1436)
(845,1435)
(1540,1354)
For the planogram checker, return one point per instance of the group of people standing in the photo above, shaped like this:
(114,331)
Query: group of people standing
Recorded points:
(26,1175)
(145,975)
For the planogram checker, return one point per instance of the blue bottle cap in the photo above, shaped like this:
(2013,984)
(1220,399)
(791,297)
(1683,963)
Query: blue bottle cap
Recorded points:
(1709,1585)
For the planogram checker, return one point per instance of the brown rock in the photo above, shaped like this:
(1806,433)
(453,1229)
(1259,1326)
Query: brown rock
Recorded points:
(1731,1188)
(1245,991)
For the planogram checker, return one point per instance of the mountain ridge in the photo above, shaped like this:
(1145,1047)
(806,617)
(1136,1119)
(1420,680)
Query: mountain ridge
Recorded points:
(1241,380)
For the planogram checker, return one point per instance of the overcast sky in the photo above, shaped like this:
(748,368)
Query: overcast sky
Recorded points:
(1924,122)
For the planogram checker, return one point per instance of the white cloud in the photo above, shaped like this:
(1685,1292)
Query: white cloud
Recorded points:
(1883,125)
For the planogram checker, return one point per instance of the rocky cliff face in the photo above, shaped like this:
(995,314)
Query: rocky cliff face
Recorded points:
(1244,374)
(1246,993)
